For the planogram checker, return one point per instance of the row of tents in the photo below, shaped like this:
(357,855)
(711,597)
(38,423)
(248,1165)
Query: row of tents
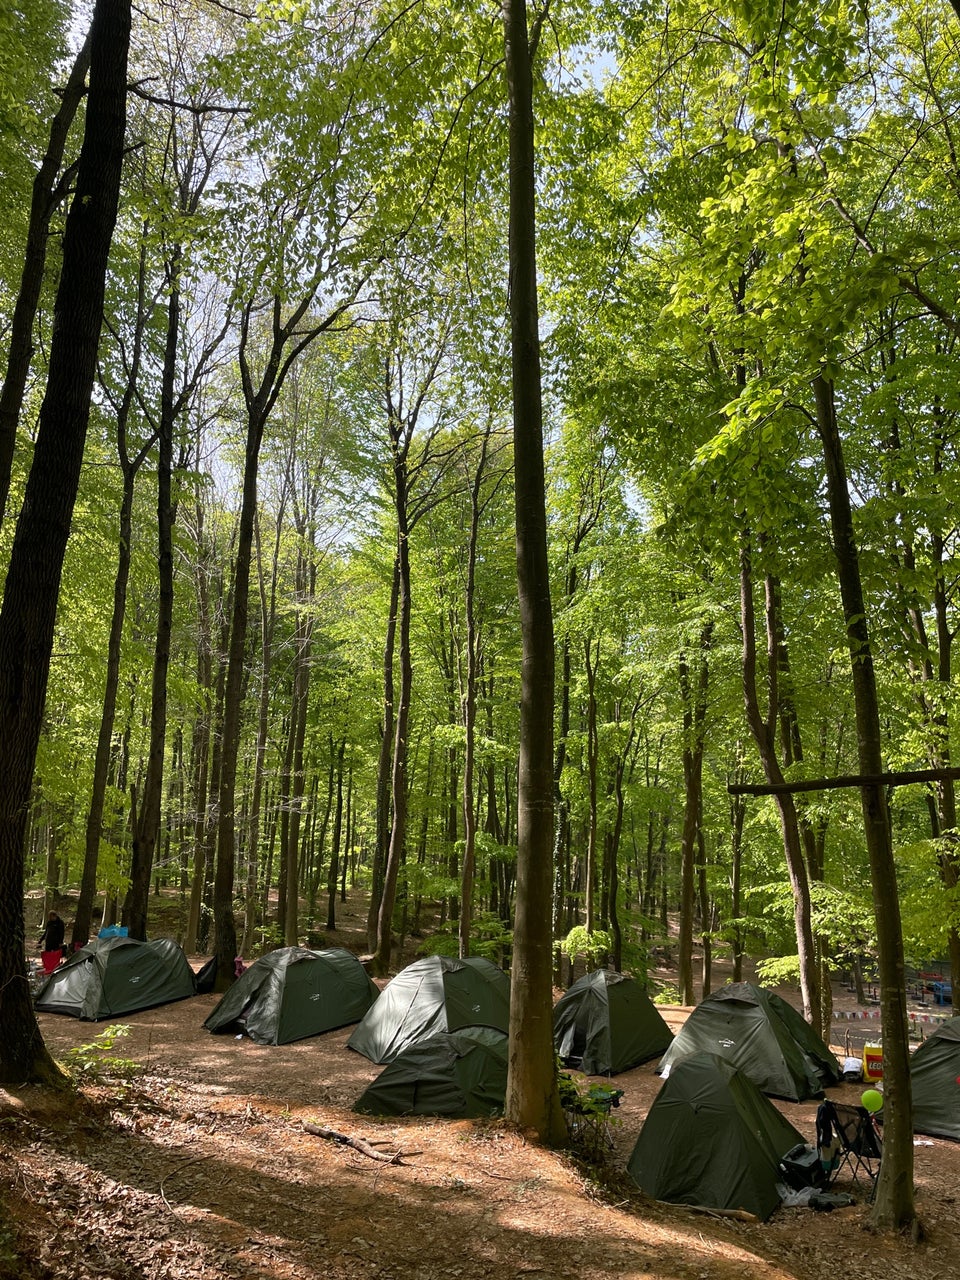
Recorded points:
(439,1027)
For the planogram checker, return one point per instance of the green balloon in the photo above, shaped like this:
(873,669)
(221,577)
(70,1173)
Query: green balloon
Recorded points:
(872,1099)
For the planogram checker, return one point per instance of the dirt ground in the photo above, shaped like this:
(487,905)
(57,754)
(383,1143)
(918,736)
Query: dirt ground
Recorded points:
(201,1169)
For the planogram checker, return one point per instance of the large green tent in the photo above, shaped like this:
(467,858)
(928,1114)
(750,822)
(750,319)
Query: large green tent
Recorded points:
(453,1073)
(935,1077)
(438,993)
(292,993)
(711,1138)
(761,1034)
(112,976)
(607,1023)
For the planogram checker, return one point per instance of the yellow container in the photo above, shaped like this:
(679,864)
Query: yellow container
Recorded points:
(872,1062)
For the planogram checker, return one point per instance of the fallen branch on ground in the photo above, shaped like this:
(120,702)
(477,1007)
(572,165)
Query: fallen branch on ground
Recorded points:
(358,1144)
(740,1215)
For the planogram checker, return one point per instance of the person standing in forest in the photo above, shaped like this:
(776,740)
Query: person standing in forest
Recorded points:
(51,944)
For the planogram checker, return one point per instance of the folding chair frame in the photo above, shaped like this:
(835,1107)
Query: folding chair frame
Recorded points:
(860,1144)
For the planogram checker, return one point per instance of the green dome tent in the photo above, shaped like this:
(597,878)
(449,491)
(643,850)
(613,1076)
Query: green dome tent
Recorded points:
(935,1077)
(762,1035)
(711,1138)
(111,976)
(292,993)
(453,1073)
(607,1023)
(438,993)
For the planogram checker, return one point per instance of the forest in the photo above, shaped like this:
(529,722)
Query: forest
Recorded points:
(261,269)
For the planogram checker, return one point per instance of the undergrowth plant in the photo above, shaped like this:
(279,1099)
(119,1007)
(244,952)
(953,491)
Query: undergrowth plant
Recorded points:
(95,1062)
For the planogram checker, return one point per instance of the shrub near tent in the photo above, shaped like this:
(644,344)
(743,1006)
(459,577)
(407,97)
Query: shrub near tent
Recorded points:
(292,993)
(762,1035)
(438,993)
(935,1080)
(112,976)
(607,1023)
(712,1138)
(454,1073)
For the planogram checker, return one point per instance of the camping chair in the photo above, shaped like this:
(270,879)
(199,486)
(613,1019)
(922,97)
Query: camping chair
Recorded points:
(848,1135)
(588,1114)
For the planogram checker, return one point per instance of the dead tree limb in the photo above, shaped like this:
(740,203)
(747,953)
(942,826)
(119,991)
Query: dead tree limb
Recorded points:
(358,1144)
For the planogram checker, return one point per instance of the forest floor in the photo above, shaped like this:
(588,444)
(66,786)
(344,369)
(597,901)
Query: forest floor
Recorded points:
(201,1168)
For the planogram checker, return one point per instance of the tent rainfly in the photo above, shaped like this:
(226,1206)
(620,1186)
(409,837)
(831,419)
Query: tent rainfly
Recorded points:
(935,1078)
(607,1023)
(438,993)
(453,1073)
(711,1138)
(111,976)
(762,1035)
(292,993)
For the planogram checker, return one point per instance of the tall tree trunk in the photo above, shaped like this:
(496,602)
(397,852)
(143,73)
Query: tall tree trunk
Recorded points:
(532,1101)
(706,914)
(564,907)
(384,764)
(380,964)
(288,339)
(693,691)
(335,850)
(31,590)
(225,936)
(101,764)
(135,906)
(298,729)
(593,750)
(893,1205)
(267,617)
(738,813)
(49,189)
(468,704)
(763,733)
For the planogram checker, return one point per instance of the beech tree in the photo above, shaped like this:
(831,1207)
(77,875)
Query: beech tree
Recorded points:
(532,1099)
(28,612)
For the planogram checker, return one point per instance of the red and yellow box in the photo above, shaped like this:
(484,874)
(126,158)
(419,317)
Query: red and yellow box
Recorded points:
(872,1062)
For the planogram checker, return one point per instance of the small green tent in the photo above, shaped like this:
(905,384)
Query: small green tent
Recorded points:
(711,1138)
(761,1034)
(453,1073)
(935,1077)
(111,976)
(438,993)
(292,993)
(607,1023)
